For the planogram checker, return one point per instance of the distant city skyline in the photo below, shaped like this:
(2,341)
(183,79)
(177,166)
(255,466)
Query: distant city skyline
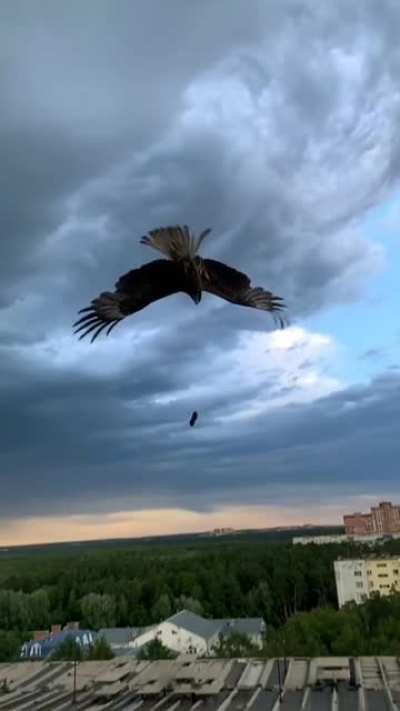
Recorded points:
(383,518)
(138,524)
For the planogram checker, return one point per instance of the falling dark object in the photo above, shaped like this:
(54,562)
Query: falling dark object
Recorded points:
(183,270)
(193,418)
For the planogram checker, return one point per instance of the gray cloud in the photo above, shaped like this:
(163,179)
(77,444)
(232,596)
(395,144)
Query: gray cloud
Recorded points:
(373,354)
(277,125)
(65,438)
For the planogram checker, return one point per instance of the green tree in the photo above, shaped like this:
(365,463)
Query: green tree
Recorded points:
(10,645)
(122,611)
(236,645)
(162,608)
(260,601)
(67,651)
(73,607)
(39,605)
(98,610)
(155,650)
(189,603)
(99,650)
(15,613)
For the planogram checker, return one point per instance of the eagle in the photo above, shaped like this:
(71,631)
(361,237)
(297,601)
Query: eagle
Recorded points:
(182,270)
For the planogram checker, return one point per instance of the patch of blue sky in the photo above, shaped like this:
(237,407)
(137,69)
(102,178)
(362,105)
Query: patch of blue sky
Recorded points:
(368,330)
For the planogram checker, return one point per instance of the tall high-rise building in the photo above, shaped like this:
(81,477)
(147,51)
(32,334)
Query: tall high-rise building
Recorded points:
(383,519)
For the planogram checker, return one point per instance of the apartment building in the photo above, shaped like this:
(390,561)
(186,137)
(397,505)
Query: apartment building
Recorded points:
(382,519)
(369,539)
(357,579)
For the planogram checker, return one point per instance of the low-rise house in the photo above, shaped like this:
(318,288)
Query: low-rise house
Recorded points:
(188,633)
(41,648)
(184,632)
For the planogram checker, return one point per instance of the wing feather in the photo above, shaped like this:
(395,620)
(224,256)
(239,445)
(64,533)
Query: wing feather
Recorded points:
(133,291)
(235,286)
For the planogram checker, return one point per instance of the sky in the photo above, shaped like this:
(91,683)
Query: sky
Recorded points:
(275,124)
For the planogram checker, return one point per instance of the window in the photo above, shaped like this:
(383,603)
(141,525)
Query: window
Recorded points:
(381,565)
(383,575)
(357,572)
(359,585)
(395,571)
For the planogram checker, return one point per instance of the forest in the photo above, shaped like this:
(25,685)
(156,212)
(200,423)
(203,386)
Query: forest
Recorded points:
(291,587)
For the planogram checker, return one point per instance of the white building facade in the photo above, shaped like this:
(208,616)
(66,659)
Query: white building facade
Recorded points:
(320,540)
(351,581)
(175,638)
(190,634)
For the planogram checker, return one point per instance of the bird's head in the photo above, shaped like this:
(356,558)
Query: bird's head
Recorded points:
(192,277)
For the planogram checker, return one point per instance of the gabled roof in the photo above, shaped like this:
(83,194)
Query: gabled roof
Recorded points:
(119,636)
(195,623)
(209,628)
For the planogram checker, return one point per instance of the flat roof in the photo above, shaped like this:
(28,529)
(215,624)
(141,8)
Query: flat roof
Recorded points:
(189,684)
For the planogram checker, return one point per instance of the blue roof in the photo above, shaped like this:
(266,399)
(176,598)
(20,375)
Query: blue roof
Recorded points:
(43,647)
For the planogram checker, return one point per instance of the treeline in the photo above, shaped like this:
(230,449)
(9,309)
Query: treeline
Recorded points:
(141,587)
(369,629)
(119,588)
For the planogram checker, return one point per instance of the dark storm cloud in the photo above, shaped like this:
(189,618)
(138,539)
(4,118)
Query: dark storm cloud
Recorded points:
(275,124)
(81,86)
(67,438)
(94,83)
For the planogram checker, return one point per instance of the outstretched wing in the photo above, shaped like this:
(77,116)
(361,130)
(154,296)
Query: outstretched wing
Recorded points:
(234,286)
(133,291)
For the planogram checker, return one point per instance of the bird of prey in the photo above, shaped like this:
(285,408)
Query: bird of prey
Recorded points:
(182,270)
(193,418)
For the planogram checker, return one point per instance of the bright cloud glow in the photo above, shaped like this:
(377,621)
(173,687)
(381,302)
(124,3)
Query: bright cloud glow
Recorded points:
(280,367)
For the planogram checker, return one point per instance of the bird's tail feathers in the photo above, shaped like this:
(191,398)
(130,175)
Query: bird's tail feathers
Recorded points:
(175,242)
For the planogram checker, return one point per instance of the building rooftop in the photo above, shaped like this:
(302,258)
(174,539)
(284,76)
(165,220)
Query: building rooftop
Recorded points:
(369,556)
(195,623)
(45,645)
(244,625)
(119,636)
(206,628)
(318,684)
